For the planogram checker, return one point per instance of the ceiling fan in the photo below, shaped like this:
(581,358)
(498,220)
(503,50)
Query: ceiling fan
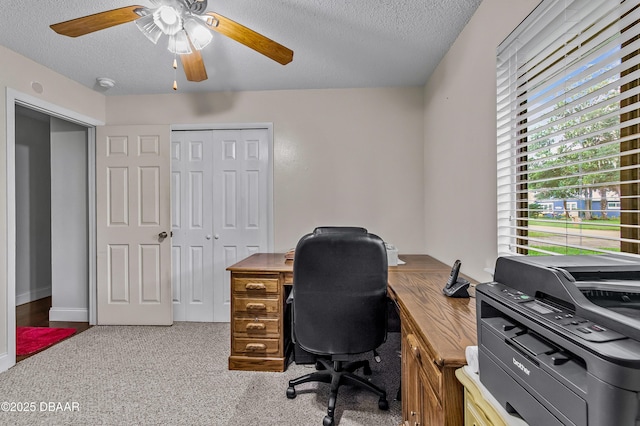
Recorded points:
(186,23)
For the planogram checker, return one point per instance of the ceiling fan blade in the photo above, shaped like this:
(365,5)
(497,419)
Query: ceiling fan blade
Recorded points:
(194,66)
(250,38)
(96,22)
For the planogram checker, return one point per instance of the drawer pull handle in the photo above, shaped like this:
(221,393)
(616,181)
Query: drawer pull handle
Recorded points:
(256,306)
(413,345)
(255,286)
(256,326)
(252,347)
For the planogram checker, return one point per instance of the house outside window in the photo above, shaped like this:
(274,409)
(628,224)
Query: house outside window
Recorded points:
(568,137)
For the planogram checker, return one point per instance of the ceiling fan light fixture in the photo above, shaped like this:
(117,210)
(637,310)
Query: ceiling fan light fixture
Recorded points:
(197,7)
(198,33)
(168,19)
(147,25)
(179,43)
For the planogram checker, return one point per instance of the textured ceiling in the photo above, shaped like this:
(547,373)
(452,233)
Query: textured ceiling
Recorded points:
(336,44)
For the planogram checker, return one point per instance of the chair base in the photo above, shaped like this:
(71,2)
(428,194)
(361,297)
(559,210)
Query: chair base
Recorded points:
(339,374)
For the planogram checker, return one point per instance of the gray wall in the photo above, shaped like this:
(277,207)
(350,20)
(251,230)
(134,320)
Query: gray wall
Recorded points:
(69,225)
(33,207)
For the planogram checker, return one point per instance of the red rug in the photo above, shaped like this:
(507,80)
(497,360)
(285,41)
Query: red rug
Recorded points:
(33,339)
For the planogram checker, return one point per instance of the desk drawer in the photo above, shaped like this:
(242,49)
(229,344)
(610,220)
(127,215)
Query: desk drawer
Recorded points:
(256,307)
(473,413)
(433,373)
(256,327)
(256,286)
(256,347)
(425,360)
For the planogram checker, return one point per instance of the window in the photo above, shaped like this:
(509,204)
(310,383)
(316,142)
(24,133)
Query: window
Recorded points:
(613,205)
(568,115)
(547,207)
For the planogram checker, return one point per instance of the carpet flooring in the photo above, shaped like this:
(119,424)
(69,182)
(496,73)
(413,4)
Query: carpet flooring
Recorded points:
(119,375)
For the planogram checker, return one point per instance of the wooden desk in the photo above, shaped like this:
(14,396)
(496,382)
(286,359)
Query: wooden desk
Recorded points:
(435,330)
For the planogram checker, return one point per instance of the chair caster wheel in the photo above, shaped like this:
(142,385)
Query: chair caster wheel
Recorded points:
(327,421)
(291,392)
(383,404)
(319,366)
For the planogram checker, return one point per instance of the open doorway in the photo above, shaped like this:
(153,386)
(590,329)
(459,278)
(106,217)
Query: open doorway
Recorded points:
(15,98)
(51,205)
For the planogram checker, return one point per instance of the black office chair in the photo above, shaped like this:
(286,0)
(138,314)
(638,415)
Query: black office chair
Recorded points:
(339,308)
(333,229)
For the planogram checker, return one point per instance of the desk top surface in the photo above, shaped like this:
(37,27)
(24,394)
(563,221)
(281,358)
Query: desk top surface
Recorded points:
(275,262)
(447,325)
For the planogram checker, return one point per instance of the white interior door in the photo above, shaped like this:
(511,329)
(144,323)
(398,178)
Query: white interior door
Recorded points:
(192,203)
(133,202)
(235,180)
(241,228)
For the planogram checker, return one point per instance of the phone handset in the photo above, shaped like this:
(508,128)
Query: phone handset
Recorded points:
(453,277)
(456,286)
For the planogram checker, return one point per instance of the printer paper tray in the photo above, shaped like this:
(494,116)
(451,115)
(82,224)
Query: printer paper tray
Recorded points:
(513,396)
(521,370)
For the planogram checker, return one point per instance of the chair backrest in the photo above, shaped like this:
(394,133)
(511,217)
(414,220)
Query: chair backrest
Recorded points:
(340,288)
(331,229)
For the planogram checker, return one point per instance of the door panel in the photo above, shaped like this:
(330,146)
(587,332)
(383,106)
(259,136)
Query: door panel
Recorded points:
(118,274)
(133,208)
(241,161)
(192,201)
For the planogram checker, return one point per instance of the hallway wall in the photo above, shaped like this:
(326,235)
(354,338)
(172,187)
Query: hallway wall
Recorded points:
(33,207)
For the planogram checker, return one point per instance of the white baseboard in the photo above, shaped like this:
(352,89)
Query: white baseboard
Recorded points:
(30,296)
(6,362)
(69,314)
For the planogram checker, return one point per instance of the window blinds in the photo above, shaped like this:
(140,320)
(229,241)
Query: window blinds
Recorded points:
(568,147)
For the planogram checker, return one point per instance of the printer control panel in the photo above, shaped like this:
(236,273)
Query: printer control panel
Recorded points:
(568,321)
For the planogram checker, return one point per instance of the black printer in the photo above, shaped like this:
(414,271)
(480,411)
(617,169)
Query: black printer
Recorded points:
(559,339)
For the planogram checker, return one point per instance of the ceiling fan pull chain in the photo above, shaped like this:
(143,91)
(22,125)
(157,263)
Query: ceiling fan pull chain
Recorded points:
(175,67)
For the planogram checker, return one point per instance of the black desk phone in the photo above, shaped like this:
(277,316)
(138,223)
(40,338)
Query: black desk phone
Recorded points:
(456,286)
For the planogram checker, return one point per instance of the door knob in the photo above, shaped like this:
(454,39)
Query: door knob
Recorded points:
(208,237)
(163,235)
(216,236)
